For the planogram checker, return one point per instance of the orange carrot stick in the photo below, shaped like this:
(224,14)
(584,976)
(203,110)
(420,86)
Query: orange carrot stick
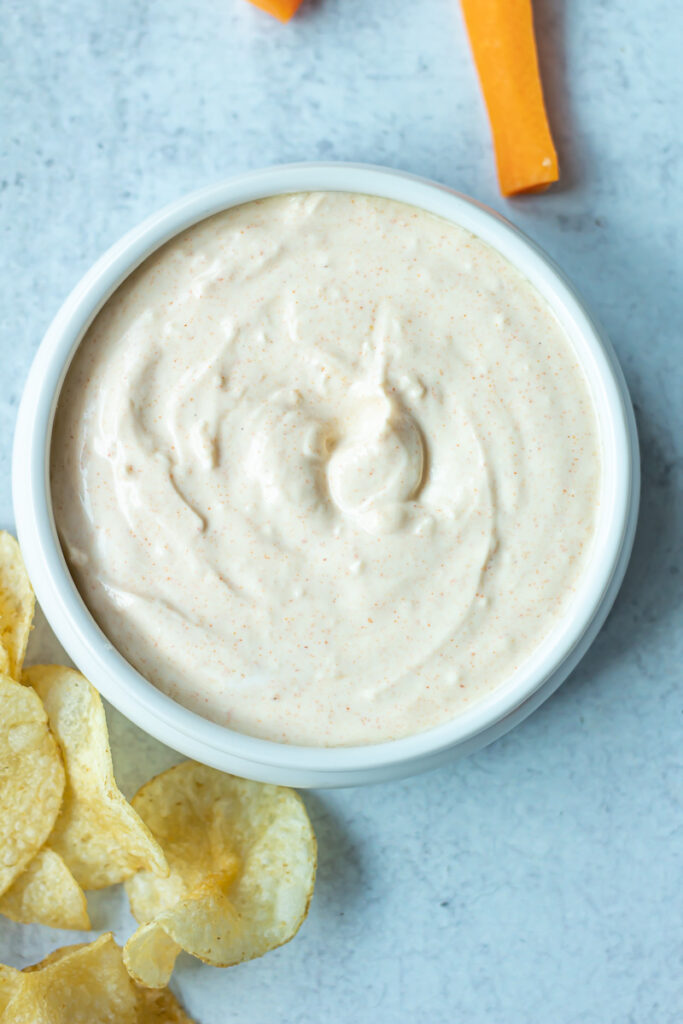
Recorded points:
(282,9)
(502,39)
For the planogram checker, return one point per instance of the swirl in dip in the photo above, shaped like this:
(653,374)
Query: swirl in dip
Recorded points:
(325,469)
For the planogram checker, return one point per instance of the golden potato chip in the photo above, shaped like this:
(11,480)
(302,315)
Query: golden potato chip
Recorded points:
(160,1007)
(31,778)
(98,834)
(242,859)
(76,985)
(46,893)
(17,603)
(150,956)
(9,980)
(84,984)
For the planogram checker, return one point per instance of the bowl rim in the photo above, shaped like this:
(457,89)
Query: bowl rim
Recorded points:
(119,682)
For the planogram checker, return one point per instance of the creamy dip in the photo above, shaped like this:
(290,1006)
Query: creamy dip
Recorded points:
(326,469)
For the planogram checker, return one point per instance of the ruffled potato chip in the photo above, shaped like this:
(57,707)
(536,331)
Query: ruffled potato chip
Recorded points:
(98,834)
(242,860)
(31,779)
(17,604)
(84,984)
(46,893)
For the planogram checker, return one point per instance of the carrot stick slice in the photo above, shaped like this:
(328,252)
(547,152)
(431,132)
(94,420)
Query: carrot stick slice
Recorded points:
(501,35)
(282,9)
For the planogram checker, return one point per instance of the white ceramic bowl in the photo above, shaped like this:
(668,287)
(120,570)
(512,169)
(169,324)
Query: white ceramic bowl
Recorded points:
(260,759)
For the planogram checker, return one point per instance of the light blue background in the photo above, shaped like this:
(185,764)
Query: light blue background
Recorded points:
(540,880)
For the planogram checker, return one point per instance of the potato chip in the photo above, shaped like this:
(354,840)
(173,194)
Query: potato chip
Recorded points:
(17,603)
(31,779)
(242,858)
(9,980)
(46,893)
(84,984)
(160,1007)
(98,834)
(76,985)
(150,956)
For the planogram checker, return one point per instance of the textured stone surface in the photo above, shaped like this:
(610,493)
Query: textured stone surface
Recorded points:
(538,881)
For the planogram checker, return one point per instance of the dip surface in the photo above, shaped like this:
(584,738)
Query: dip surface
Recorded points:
(326,470)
